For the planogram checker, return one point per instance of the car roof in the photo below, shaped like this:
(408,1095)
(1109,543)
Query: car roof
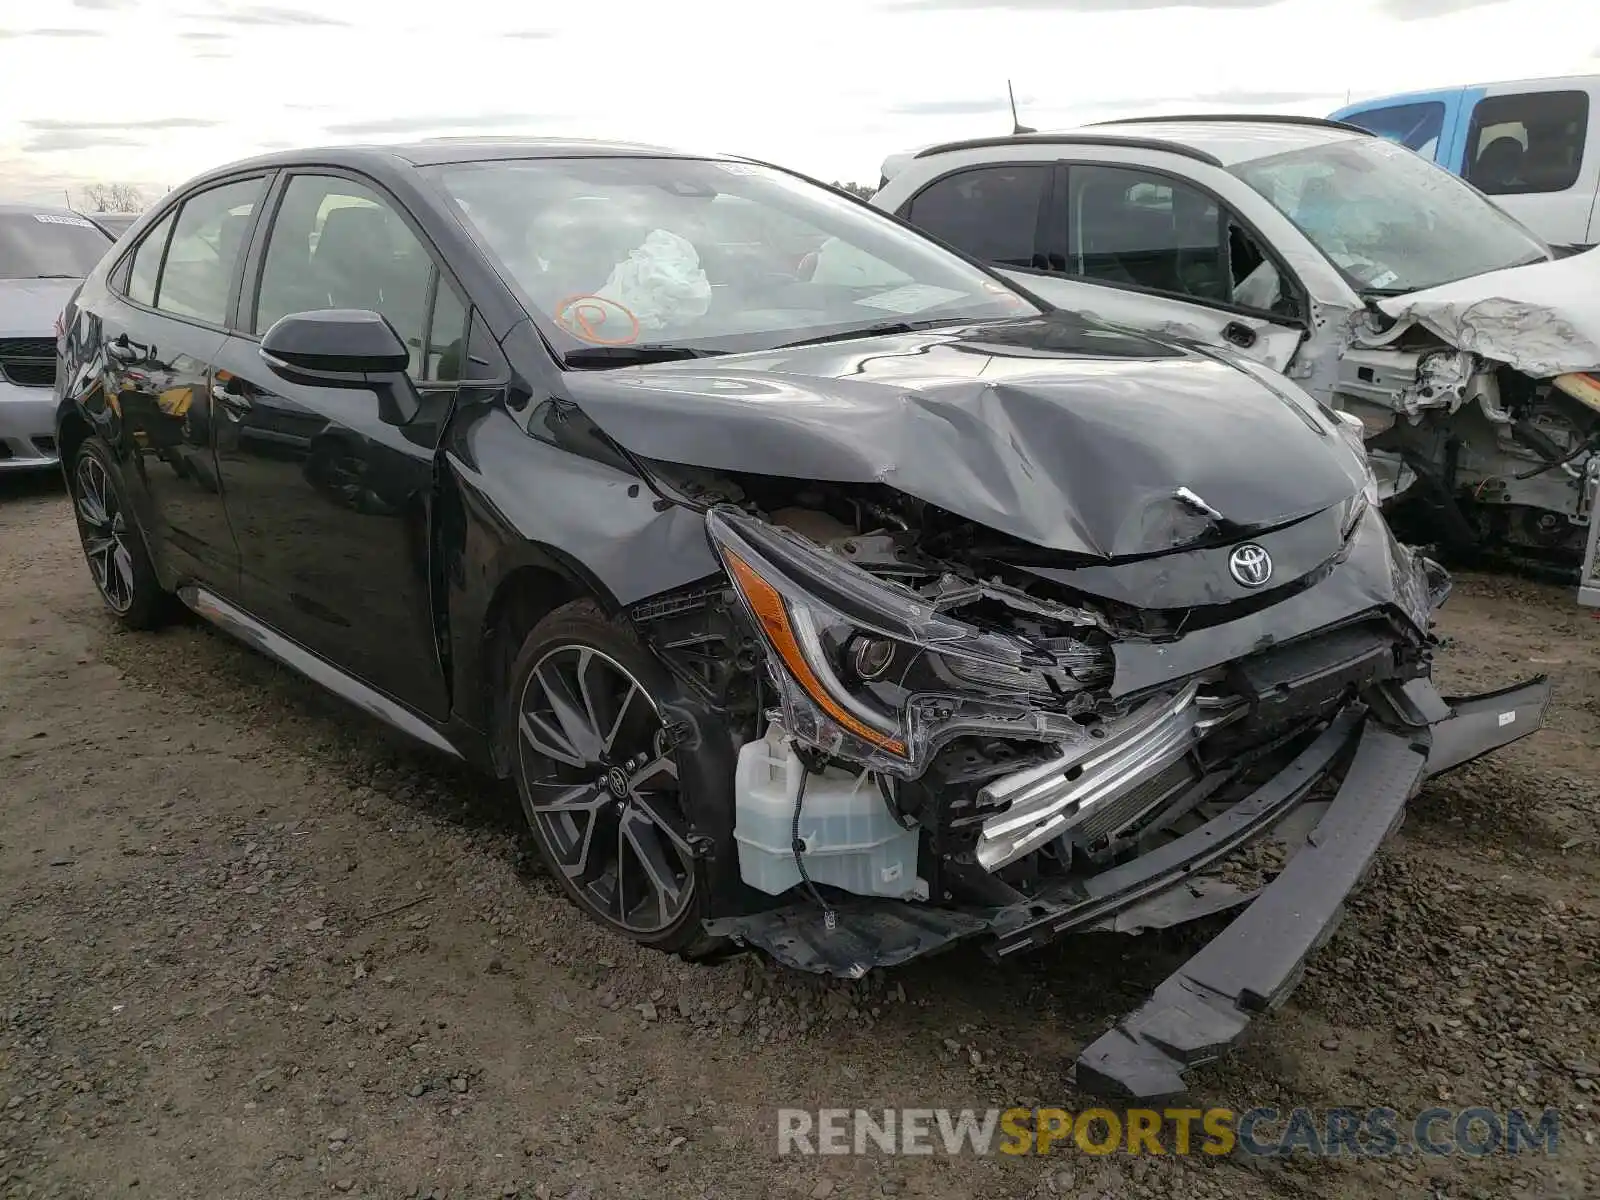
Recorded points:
(1537,82)
(1221,139)
(435,151)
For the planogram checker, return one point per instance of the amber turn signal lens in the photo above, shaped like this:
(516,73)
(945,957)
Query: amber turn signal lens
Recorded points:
(769,608)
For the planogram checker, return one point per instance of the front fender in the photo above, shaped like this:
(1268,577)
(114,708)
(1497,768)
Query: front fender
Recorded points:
(510,501)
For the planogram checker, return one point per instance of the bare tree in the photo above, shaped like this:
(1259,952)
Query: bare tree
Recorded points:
(114,197)
(860,189)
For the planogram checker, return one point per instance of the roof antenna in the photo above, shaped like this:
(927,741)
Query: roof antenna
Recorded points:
(1016,125)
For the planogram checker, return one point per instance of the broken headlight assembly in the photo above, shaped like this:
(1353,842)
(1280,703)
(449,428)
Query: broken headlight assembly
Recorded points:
(873,672)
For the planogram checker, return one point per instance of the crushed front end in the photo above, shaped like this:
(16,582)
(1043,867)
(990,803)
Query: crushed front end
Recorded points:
(952,735)
(1481,398)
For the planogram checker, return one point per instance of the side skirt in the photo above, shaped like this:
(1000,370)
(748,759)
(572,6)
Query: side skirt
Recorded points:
(349,689)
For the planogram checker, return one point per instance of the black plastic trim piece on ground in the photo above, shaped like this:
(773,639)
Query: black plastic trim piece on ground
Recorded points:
(1253,965)
(1478,724)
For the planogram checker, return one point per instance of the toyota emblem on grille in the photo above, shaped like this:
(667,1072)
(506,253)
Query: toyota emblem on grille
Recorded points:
(1250,565)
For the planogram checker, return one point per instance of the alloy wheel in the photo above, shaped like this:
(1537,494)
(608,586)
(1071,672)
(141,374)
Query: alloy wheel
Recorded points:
(104,527)
(603,788)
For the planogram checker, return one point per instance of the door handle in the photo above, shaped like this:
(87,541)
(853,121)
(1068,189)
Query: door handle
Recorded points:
(230,397)
(122,351)
(1237,333)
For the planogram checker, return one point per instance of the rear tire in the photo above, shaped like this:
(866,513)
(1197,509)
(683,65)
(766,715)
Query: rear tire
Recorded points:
(603,789)
(113,543)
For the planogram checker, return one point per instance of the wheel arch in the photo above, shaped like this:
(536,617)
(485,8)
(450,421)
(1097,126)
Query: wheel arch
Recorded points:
(72,431)
(541,580)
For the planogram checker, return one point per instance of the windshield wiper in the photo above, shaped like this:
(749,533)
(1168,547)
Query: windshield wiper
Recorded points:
(866,331)
(635,354)
(57,276)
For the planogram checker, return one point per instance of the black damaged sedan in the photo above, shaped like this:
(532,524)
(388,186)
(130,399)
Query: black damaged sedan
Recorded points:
(847,605)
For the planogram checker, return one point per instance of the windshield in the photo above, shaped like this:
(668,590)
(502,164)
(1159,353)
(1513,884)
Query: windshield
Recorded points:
(49,246)
(709,256)
(1390,220)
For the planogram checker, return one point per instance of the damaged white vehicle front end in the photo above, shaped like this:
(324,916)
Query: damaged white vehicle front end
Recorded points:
(1382,284)
(1496,405)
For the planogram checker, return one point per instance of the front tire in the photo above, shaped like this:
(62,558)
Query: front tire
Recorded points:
(602,784)
(112,543)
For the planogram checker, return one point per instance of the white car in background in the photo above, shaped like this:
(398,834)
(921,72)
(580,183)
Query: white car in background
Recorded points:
(1383,285)
(44,255)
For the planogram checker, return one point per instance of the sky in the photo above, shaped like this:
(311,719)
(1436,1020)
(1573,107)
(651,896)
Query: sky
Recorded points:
(151,92)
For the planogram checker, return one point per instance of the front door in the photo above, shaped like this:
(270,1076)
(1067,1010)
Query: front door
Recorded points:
(332,505)
(1152,252)
(1130,247)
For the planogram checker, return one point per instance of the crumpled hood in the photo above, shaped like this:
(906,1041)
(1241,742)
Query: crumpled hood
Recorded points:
(1070,436)
(1542,319)
(29,307)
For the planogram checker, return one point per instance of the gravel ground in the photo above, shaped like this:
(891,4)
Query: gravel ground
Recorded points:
(253,946)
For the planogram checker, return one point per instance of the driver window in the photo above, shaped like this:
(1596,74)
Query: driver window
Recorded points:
(1136,229)
(338,244)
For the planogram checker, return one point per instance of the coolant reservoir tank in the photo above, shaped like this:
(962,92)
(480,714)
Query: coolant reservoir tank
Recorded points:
(852,841)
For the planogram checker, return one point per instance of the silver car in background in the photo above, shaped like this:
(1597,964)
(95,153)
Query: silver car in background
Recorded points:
(44,255)
(114,223)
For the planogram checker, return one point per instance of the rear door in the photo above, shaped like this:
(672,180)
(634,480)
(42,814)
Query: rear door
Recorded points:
(163,326)
(331,504)
(1535,150)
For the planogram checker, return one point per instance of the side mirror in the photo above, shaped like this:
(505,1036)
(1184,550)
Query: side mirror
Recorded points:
(344,347)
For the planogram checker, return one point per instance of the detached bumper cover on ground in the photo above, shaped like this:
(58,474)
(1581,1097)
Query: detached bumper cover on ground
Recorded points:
(1254,964)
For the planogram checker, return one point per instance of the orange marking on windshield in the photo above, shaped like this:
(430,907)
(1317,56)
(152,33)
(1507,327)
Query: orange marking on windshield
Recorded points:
(584,316)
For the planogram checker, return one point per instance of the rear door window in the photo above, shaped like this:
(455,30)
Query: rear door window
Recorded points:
(207,243)
(996,214)
(1527,142)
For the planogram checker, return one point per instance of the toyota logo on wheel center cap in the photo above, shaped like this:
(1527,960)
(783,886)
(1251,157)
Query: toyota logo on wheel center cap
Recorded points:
(1250,565)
